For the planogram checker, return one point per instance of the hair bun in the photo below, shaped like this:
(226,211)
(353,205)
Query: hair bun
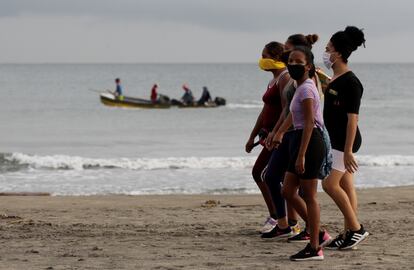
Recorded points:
(356,36)
(312,38)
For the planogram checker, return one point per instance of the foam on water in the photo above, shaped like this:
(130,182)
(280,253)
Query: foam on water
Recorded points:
(244,106)
(64,162)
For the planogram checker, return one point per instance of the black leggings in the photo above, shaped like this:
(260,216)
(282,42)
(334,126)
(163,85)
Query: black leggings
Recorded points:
(260,165)
(275,173)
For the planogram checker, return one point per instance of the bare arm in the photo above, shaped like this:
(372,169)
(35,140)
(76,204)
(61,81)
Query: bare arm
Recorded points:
(269,140)
(255,131)
(284,104)
(257,125)
(349,160)
(307,106)
(277,137)
(287,123)
(279,123)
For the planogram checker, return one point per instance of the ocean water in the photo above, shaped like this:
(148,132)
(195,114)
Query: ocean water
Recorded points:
(56,136)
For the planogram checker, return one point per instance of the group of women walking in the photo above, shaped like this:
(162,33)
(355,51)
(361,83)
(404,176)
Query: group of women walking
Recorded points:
(304,145)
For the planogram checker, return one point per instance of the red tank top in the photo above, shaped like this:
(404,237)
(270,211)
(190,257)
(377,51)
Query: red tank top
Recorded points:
(273,104)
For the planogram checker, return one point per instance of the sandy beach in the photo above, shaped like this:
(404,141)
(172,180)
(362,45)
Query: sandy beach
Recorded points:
(190,232)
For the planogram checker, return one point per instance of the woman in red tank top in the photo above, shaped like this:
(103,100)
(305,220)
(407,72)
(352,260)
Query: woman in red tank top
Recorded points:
(271,62)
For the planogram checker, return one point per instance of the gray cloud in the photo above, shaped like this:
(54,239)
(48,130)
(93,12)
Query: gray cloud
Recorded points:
(232,15)
(178,30)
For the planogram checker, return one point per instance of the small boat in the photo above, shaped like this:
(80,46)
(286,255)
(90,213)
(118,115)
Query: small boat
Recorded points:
(218,101)
(110,99)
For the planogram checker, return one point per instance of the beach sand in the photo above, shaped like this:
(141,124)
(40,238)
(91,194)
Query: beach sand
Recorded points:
(185,232)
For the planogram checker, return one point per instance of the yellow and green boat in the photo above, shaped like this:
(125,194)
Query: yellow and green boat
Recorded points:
(110,99)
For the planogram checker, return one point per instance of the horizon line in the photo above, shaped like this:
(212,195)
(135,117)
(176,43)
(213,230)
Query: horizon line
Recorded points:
(165,63)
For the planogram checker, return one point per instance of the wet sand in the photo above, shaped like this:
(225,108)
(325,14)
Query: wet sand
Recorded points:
(190,232)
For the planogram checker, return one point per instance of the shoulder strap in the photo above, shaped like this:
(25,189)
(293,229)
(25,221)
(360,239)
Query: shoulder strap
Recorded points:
(284,72)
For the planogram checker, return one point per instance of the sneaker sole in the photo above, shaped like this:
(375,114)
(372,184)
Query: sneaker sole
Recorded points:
(316,258)
(283,236)
(356,243)
(267,231)
(323,245)
(298,241)
(331,248)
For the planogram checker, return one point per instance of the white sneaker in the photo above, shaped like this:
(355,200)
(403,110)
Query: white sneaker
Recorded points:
(269,225)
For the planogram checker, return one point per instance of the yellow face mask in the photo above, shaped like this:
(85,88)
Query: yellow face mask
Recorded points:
(269,64)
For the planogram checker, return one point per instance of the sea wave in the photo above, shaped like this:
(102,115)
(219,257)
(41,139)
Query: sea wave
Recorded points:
(16,161)
(244,105)
(385,160)
(10,162)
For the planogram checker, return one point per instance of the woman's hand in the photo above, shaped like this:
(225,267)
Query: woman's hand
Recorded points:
(268,141)
(350,162)
(277,139)
(300,165)
(249,145)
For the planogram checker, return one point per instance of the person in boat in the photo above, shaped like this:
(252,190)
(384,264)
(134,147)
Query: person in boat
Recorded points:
(158,98)
(118,89)
(205,96)
(154,93)
(187,98)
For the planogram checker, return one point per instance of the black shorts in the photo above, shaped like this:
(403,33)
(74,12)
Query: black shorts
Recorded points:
(314,155)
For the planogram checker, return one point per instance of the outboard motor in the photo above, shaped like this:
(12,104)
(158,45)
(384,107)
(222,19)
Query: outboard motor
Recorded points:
(164,99)
(220,101)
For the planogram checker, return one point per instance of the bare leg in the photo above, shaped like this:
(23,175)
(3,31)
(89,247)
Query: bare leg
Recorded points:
(347,184)
(290,193)
(282,223)
(257,173)
(310,196)
(267,197)
(331,185)
(291,212)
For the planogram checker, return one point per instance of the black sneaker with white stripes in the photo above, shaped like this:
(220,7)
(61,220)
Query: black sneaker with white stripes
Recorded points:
(336,243)
(354,238)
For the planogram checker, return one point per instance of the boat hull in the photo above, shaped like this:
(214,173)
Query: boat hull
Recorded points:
(109,99)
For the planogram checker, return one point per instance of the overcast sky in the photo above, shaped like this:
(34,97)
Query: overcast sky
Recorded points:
(163,31)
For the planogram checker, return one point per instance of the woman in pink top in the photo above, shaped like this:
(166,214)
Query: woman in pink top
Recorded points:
(306,148)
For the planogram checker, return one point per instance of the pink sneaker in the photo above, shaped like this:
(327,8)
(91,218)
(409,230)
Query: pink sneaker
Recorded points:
(324,238)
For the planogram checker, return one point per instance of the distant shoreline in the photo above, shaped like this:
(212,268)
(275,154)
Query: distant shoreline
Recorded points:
(188,63)
(47,194)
